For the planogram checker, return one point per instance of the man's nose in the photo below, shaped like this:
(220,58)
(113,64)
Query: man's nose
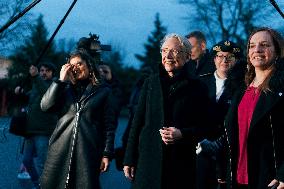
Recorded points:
(169,54)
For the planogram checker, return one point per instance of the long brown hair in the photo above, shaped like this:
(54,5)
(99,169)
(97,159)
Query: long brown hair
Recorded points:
(277,40)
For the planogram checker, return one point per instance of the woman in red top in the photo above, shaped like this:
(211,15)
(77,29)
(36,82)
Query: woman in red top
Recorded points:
(255,124)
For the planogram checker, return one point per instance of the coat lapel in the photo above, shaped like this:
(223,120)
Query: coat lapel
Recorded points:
(265,104)
(212,88)
(232,118)
(155,98)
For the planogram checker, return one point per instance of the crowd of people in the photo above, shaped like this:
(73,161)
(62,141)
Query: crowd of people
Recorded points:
(208,119)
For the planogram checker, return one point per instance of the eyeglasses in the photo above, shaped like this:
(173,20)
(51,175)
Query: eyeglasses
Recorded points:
(228,58)
(173,51)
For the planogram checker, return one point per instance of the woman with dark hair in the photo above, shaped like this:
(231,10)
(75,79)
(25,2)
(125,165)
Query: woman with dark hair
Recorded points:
(82,144)
(254,124)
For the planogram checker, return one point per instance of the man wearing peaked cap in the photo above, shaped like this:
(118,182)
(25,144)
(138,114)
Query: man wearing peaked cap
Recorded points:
(227,46)
(221,84)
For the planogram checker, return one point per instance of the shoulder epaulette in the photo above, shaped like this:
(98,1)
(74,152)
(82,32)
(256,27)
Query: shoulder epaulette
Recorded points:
(202,75)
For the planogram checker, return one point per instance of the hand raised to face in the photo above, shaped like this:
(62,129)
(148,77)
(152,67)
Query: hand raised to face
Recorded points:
(66,73)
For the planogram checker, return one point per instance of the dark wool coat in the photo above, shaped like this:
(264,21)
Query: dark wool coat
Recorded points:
(265,144)
(38,121)
(84,134)
(146,150)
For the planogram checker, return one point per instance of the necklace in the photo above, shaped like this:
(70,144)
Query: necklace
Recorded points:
(256,83)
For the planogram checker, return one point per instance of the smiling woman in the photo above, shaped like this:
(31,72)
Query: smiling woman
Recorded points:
(254,124)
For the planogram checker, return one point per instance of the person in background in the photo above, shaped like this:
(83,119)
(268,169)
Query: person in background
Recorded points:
(169,119)
(200,56)
(40,125)
(254,124)
(117,90)
(145,72)
(227,57)
(82,145)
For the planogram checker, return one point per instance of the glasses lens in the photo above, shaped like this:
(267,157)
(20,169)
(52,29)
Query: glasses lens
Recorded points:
(228,58)
(173,51)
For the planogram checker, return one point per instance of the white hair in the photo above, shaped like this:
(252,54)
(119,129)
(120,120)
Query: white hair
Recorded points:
(183,41)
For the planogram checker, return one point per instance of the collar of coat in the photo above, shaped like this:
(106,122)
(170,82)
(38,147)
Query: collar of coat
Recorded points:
(277,80)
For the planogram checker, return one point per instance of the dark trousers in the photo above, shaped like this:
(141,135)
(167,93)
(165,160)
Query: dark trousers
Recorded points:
(242,186)
(205,172)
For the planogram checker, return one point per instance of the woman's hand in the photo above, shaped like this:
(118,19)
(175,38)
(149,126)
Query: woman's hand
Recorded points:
(275,182)
(129,172)
(104,164)
(66,73)
(170,135)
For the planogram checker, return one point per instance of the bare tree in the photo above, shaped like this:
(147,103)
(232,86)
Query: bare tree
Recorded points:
(17,32)
(229,19)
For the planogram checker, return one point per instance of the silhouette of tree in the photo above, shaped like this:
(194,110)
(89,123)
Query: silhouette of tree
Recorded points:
(152,56)
(14,35)
(28,53)
(235,19)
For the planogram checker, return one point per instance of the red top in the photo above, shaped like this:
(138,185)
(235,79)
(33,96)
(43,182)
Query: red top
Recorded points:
(245,111)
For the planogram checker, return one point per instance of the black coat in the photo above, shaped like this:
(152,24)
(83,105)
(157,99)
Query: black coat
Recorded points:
(205,65)
(84,134)
(38,121)
(145,149)
(218,109)
(206,160)
(206,163)
(265,144)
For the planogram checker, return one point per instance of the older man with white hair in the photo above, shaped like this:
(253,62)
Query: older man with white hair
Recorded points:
(169,120)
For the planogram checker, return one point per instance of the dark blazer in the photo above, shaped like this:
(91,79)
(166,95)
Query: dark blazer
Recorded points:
(146,150)
(83,135)
(205,65)
(265,144)
(206,163)
(218,109)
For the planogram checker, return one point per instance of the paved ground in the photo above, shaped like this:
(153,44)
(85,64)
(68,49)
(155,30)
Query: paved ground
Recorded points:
(10,159)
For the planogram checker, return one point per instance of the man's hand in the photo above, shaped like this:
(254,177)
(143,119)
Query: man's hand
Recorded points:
(104,164)
(129,172)
(170,135)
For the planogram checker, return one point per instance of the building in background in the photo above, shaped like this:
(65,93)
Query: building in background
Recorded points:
(4,65)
